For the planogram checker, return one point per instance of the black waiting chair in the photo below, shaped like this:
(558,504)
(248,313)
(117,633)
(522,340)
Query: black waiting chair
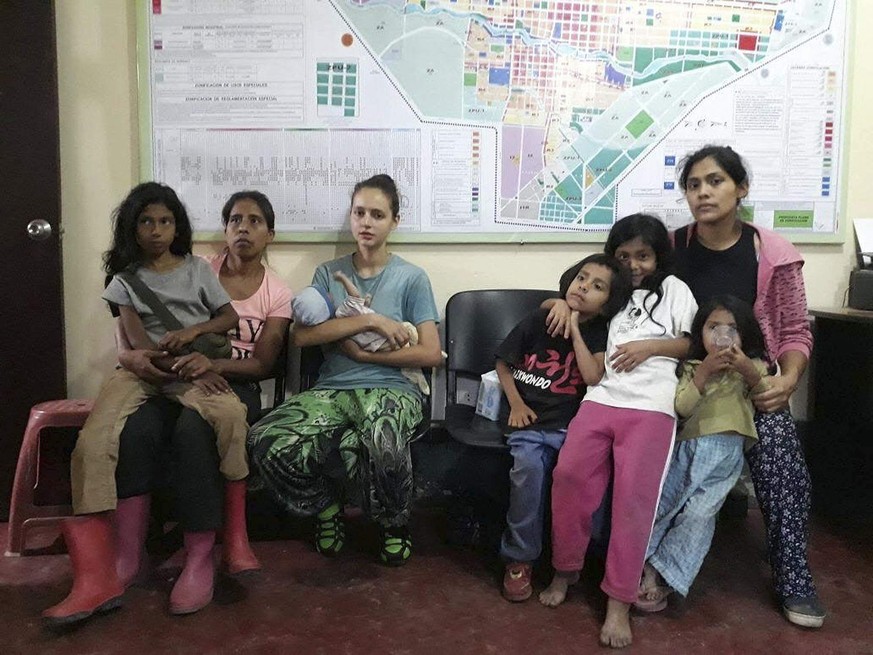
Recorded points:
(476,323)
(311,359)
(280,373)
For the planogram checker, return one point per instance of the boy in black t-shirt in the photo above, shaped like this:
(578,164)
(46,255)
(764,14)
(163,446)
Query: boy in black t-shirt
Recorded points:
(544,379)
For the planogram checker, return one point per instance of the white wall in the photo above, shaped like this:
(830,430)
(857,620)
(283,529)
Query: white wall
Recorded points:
(99,164)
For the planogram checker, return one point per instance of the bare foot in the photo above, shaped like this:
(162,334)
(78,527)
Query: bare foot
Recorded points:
(657,588)
(347,283)
(616,630)
(659,593)
(650,579)
(556,592)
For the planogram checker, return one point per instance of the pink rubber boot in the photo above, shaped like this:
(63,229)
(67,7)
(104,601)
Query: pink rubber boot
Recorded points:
(131,525)
(193,590)
(237,558)
(96,589)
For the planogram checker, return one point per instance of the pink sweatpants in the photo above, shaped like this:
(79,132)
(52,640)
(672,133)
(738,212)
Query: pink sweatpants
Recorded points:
(637,444)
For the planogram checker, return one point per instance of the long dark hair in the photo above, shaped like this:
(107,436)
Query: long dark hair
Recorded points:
(725,156)
(125,251)
(620,287)
(259,199)
(747,327)
(653,233)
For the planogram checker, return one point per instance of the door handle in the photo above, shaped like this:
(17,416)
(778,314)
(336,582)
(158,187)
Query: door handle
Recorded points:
(39,230)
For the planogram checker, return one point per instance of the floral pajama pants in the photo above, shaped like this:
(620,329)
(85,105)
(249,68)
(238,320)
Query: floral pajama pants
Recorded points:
(324,446)
(782,486)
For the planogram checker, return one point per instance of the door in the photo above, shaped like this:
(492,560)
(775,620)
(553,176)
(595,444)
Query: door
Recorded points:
(32,366)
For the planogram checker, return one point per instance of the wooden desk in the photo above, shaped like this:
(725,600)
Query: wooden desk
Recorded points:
(844,314)
(840,445)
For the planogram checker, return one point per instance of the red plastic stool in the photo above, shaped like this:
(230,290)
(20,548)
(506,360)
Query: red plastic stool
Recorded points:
(23,513)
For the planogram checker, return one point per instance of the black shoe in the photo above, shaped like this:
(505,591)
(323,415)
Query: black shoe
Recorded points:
(805,611)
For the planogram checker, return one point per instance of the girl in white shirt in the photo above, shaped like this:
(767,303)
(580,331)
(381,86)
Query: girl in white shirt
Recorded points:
(625,427)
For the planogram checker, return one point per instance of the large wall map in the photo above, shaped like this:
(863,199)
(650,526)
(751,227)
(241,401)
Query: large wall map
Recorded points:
(501,120)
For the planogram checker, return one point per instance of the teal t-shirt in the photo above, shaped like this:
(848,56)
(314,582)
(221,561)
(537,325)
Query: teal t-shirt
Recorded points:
(402,292)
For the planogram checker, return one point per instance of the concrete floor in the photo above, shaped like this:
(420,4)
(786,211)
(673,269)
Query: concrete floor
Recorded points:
(446,600)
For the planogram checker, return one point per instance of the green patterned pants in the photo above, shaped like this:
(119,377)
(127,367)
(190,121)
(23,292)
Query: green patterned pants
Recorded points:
(326,446)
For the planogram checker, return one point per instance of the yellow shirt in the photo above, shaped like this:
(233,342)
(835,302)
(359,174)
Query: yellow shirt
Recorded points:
(723,407)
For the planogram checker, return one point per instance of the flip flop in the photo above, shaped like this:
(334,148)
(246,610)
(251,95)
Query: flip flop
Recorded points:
(650,606)
(644,604)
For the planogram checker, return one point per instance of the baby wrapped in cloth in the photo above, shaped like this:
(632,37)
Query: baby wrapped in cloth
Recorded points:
(313,305)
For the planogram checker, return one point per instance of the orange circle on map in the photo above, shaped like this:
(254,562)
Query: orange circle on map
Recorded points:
(347,39)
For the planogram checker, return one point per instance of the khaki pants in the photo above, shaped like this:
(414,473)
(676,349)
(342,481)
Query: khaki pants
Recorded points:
(96,454)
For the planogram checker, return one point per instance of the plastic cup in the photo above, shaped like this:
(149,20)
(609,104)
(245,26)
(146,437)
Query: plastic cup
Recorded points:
(724,336)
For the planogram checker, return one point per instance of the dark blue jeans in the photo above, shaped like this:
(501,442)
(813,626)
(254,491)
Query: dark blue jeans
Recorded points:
(534,453)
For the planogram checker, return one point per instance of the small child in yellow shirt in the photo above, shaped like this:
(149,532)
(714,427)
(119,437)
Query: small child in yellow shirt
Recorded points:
(713,397)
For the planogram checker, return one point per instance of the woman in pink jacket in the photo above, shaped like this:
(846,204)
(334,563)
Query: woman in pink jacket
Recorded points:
(720,254)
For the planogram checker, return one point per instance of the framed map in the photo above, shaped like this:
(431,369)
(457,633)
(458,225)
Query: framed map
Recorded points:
(501,121)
